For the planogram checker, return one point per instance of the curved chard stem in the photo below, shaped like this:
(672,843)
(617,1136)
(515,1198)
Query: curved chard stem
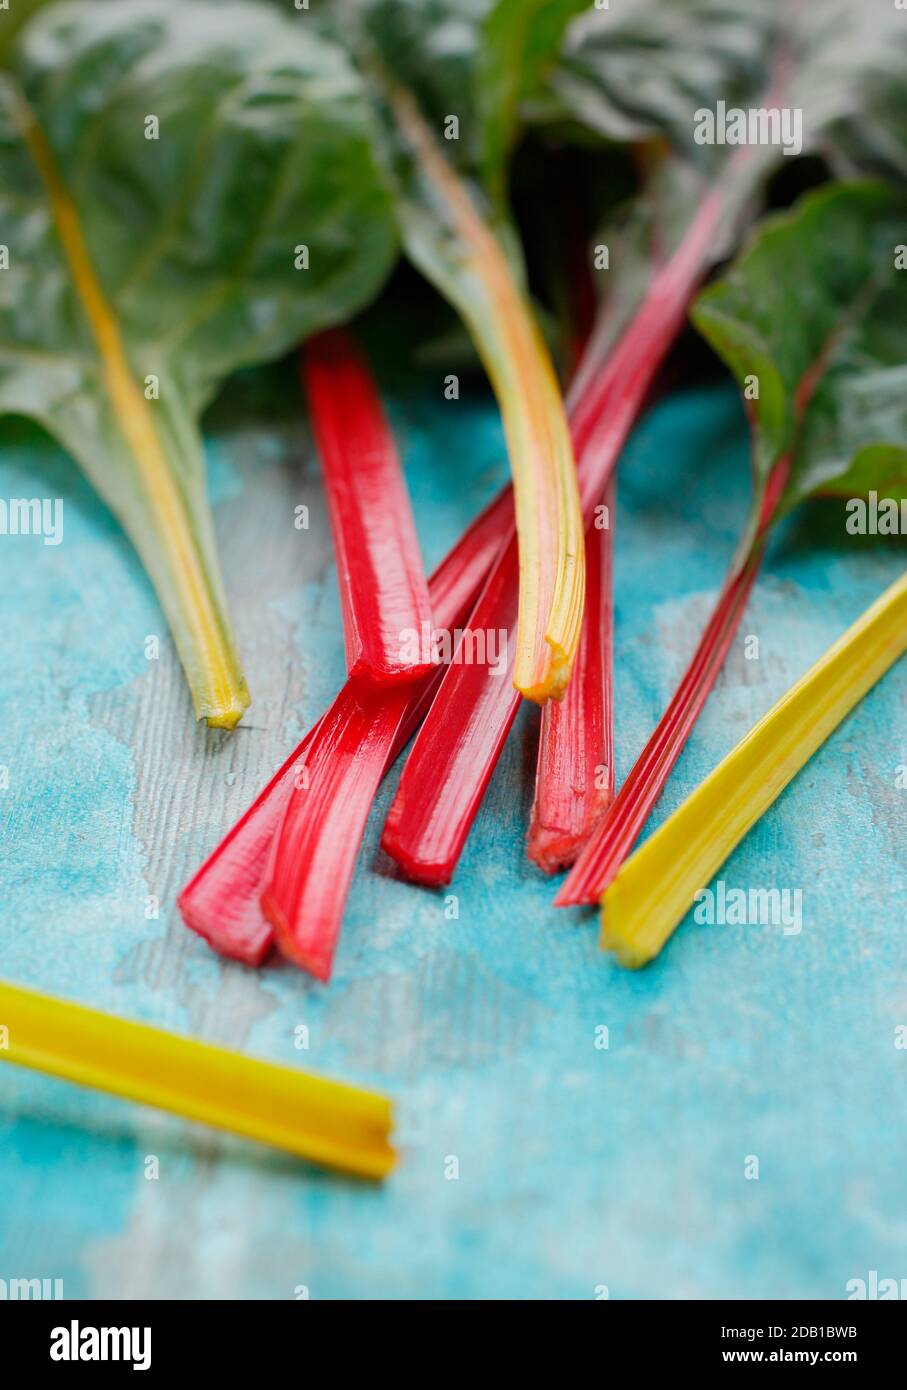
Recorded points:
(562,770)
(458,745)
(465,259)
(313,854)
(656,886)
(221,901)
(607,396)
(383,591)
(177,545)
(848,309)
(574,779)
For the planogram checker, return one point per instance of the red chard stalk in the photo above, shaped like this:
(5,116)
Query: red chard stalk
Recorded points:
(383,590)
(574,780)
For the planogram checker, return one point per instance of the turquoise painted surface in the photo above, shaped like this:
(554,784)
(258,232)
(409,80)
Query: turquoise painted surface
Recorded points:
(578,1167)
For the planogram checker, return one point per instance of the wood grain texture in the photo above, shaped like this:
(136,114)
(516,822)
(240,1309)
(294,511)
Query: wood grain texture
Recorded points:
(578,1166)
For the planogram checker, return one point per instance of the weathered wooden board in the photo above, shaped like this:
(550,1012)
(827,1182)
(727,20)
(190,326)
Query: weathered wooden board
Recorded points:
(579,1167)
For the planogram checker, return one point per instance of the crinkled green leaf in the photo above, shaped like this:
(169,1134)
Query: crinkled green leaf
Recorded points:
(851,82)
(640,71)
(815,311)
(264,146)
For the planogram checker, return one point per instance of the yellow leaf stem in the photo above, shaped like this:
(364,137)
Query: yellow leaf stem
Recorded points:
(658,884)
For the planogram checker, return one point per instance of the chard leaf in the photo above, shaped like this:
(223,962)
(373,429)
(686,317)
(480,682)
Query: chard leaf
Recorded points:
(851,82)
(641,71)
(143,270)
(644,71)
(815,311)
(650,72)
(433,49)
(520,41)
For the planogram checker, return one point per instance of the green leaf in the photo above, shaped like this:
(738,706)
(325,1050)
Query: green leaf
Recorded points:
(851,82)
(520,41)
(641,71)
(143,270)
(644,71)
(815,311)
(432,47)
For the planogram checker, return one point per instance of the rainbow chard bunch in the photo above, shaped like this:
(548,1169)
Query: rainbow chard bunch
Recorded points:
(184,190)
(672,235)
(283,873)
(435,71)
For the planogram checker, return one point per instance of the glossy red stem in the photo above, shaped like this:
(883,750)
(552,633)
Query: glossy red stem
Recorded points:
(313,854)
(574,779)
(383,590)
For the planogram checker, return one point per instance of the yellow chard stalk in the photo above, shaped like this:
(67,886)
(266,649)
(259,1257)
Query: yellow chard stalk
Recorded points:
(323,1121)
(191,593)
(659,883)
(454,246)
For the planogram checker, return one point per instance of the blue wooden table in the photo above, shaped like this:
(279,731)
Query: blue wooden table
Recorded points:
(580,1167)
